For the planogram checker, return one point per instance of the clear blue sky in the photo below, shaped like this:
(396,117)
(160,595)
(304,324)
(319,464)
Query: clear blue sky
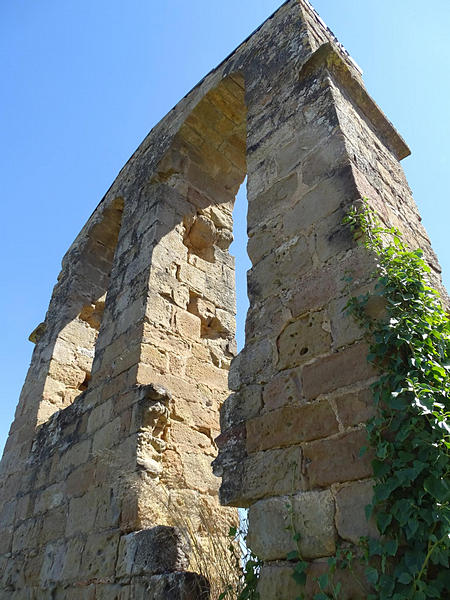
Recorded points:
(83,81)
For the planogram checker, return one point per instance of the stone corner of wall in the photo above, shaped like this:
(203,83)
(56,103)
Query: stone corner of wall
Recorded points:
(330,57)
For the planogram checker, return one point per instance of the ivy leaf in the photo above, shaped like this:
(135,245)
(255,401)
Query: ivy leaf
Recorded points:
(386,584)
(440,557)
(368,510)
(300,567)
(299,578)
(412,527)
(375,548)
(433,592)
(384,490)
(405,578)
(391,547)
(383,520)
(414,560)
(371,575)
(438,488)
(380,468)
(323,581)
(397,403)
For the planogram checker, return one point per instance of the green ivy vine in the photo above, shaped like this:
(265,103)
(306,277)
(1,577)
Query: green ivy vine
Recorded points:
(410,432)
(247,566)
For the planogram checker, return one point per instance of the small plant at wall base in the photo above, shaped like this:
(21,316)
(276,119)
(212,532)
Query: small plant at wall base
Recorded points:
(300,565)
(342,560)
(247,566)
(410,432)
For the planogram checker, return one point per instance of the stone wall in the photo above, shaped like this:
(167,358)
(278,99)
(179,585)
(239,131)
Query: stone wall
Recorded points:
(110,452)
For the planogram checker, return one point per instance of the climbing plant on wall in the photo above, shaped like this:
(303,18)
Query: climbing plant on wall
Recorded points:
(410,432)
(409,436)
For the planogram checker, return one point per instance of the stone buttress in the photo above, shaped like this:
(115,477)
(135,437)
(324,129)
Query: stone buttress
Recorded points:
(109,457)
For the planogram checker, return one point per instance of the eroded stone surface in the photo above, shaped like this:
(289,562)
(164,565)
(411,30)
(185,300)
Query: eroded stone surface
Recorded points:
(273,521)
(351,521)
(153,551)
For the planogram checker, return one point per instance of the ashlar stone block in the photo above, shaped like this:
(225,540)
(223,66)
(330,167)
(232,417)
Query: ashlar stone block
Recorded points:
(276,582)
(337,459)
(291,425)
(99,555)
(273,522)
(254,477)
(351,520)
(303,339)
(337,370)
(151,551)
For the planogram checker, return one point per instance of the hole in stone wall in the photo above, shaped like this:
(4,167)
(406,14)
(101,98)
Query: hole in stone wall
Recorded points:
(84,384)
(92,313)
(242,262)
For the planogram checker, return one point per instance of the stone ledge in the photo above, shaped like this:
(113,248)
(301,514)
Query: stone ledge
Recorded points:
(328,56)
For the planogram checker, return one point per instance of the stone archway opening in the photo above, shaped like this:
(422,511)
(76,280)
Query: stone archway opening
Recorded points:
(80,295)
(189,330)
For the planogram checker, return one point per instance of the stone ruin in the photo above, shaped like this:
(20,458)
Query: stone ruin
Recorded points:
(128,392)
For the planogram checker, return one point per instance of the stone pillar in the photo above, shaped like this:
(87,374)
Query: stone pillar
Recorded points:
(293,429)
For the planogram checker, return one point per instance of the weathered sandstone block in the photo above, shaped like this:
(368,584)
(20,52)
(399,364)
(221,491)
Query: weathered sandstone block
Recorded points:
(309,514)
(152,551)
(351,521)
(291,425)
(337,459)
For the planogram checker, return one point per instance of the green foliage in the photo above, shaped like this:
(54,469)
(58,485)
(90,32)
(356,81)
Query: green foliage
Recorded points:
(329,588)
(250,576)
(410,433)
(299,565)
(247,565)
